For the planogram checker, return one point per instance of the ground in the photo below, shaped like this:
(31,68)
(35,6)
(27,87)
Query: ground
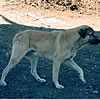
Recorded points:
(21,84)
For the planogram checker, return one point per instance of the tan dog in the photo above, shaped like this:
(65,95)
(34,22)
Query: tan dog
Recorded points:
(58,46)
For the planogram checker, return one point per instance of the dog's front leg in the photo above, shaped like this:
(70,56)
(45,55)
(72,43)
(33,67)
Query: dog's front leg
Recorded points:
(74,66)
(56,66)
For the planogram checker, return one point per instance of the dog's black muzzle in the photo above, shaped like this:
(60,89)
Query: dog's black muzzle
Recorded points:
(94,40)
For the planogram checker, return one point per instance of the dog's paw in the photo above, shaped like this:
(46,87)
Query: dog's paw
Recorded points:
(83,80)
(41,80)
(59,86)
(3,83)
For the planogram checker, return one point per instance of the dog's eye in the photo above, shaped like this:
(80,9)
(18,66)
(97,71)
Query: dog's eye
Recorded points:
(90,33)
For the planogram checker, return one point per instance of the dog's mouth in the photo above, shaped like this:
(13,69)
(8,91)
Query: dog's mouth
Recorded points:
(94,41)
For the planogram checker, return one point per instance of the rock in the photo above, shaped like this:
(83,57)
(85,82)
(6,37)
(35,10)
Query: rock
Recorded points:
(73,8)
(89,88)
(95,91)
(30,14)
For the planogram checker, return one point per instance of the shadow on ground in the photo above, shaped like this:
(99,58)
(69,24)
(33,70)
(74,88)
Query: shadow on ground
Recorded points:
(21,84)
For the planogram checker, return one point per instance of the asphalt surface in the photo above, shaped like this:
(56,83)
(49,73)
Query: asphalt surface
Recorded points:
(22,85)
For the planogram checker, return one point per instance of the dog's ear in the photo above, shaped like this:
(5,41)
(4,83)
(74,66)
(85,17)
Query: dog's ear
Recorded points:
(83,32)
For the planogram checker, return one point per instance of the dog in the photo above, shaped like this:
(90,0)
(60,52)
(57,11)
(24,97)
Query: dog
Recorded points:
(59,46)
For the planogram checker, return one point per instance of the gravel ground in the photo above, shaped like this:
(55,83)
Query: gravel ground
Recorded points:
(21,84)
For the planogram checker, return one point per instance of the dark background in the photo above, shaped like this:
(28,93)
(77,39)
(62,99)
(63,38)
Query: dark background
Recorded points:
(22,85)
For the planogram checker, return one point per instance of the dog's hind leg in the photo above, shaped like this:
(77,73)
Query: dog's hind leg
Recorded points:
(18,51)
(33,58)
(74,66)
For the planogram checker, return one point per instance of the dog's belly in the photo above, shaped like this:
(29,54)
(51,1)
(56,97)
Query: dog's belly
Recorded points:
(46,54)
(50,57)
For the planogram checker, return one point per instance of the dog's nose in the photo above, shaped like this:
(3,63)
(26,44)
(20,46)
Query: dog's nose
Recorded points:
(99,41)
(94,41)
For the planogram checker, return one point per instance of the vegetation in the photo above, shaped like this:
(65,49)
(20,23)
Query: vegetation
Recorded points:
(84,6)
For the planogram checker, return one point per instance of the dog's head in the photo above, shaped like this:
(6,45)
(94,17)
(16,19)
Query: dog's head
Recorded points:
(88,34)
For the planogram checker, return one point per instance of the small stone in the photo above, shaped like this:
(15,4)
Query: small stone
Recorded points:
(95,66)
(4,50)
(95,91)
(44,75)
(17,17)
(89,87)
(30,14)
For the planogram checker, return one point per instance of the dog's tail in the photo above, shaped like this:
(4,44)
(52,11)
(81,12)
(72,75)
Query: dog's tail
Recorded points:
(16,37)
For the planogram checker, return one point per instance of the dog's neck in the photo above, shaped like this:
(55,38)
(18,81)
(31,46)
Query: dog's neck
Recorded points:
(74,39)
(80,43)
(71,35)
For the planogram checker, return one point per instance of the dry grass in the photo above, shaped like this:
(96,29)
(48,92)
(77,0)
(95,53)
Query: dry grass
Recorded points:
(83,6)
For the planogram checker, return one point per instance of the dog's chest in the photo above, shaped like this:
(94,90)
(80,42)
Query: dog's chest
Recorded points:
(70,54)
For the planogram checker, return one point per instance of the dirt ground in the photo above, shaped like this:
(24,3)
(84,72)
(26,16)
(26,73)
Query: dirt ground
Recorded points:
(21,84)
